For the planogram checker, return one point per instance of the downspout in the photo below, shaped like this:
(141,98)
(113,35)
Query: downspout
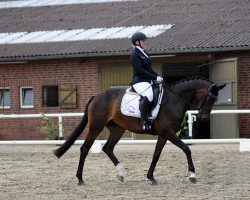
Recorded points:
(3,91)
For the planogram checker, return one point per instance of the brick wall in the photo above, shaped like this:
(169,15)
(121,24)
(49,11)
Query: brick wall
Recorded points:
(244,93)
(54,72)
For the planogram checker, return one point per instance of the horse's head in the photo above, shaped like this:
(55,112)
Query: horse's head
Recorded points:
(206,100)
(197,92)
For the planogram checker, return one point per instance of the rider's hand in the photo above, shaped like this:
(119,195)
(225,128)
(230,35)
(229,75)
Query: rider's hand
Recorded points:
(159,79)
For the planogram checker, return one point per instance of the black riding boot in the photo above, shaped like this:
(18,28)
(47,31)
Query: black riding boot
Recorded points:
(145,108)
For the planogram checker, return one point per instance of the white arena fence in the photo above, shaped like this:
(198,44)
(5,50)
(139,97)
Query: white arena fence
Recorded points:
(96,148)
(59,115)
(192,116)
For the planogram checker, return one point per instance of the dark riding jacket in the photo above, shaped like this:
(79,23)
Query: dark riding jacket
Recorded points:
(143,71)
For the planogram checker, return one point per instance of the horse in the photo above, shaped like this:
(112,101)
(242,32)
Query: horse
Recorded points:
(103,110)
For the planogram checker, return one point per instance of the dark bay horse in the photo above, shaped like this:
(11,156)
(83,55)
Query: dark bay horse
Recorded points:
(104,110)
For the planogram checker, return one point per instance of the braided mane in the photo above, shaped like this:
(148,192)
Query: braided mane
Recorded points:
(190,79)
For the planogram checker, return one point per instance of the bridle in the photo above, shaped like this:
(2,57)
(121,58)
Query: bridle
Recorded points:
(208,93)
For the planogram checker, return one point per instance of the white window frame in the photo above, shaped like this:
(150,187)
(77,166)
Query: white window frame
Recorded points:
(21,97)
(4,107)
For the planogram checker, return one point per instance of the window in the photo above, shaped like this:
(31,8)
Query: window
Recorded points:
(63,96)
(26,97)
(4,98)
(50,96)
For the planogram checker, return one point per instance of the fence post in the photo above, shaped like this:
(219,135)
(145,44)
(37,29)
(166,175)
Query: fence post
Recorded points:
(60,126)
(191,119)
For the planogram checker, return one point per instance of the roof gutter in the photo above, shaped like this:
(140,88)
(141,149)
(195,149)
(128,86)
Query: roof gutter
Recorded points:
(23,59)
(202,50)
(4,60)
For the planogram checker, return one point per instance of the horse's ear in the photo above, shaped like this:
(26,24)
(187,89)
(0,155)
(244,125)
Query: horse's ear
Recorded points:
(220,87)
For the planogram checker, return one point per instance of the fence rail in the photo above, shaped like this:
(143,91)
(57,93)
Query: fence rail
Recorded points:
(96,148)
(192,117)
(59,115)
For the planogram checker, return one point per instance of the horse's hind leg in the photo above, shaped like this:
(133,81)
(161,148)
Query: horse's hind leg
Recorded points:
(94,130)
(116,133)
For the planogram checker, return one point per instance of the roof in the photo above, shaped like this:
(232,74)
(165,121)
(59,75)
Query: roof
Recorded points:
(32,29)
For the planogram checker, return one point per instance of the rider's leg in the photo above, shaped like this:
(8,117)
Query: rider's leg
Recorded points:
(146,91)
(145,111)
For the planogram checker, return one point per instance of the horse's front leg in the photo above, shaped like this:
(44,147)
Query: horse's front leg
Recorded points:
(158,149)
(177,141)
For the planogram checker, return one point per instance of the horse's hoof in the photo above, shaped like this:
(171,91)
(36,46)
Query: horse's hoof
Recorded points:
(192,178)
(121,178)
(81,183)
(154,182)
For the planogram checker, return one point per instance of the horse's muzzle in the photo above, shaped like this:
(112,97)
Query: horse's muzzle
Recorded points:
(203,116)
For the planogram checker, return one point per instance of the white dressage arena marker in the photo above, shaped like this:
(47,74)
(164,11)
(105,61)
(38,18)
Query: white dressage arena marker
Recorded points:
(245,145)
(96,147)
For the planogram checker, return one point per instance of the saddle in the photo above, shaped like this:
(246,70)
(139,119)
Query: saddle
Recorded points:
(156,93)
(131,100)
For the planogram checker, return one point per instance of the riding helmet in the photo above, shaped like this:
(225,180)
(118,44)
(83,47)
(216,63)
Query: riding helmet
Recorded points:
(138,36)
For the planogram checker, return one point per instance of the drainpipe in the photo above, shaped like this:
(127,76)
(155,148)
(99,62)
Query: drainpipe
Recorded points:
(3,91)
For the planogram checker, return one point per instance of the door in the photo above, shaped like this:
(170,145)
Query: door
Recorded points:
(225,125)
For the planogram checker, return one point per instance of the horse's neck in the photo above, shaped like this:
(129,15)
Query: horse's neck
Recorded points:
(187,89)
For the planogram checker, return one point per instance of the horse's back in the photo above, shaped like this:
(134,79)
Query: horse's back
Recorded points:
(113,94)
(107,102)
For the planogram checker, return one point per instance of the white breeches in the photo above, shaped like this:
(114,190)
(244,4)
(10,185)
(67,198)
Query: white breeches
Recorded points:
(144,89)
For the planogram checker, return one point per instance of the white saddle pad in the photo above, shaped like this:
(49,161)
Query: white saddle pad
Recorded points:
(130,105)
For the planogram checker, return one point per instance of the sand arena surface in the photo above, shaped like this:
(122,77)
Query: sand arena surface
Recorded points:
(33,172)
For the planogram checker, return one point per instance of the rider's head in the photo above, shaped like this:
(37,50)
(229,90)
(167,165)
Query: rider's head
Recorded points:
(138,38)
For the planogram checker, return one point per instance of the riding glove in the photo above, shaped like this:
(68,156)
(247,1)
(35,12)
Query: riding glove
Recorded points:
(159,79)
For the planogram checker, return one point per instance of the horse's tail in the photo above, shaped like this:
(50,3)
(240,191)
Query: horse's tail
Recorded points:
(75,134)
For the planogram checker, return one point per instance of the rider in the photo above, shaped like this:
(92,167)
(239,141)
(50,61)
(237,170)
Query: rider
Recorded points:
(143,76)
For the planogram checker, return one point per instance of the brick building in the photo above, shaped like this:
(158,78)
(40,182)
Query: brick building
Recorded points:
(54,56)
